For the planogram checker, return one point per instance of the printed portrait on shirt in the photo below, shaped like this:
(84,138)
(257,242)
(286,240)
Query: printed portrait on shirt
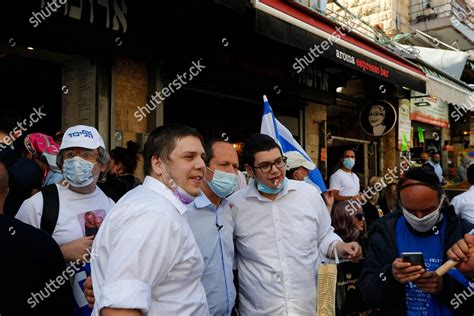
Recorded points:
(378,118)
(90,221)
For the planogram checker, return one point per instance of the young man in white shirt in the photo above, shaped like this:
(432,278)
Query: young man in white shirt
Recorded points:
(212,227)
(148,261)
(344,182)
(464,203)
(82,158)
(281,227)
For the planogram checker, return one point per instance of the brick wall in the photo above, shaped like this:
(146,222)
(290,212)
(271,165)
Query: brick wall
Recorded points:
(131,90)
(378,12)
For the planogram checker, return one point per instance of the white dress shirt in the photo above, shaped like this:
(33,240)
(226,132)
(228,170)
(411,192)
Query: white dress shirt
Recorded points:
(147,257)
(464,205)
(278,245)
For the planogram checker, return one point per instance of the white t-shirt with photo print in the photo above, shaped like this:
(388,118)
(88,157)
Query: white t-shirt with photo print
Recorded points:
(72,208)
(75,210)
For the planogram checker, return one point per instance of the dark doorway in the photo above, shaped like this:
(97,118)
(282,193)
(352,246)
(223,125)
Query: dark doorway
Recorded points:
(27,84)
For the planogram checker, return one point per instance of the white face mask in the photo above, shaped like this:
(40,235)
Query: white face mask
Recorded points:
(427,222)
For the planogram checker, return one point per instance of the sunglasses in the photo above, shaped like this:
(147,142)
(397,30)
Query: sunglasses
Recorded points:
(359,216)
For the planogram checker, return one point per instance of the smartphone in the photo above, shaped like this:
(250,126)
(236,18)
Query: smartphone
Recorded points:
(415,258)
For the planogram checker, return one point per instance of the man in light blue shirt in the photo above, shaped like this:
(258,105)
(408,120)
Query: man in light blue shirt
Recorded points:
(434,162)
(212,225)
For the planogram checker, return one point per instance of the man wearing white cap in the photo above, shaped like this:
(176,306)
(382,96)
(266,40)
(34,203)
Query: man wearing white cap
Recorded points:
(298,168)
(59,209)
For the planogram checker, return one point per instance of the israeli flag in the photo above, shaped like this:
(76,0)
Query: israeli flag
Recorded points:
(271,127)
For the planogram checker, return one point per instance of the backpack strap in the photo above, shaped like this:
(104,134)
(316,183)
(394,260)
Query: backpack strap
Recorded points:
(50,208)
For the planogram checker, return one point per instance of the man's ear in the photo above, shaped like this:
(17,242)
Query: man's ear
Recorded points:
(295,175)
(157,166)
(249,170)
(103,167)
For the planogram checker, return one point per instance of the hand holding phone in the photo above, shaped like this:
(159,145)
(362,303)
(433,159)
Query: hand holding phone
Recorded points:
(404,272)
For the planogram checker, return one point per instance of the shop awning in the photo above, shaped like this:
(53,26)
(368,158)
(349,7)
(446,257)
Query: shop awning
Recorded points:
(447,88)
(283,21)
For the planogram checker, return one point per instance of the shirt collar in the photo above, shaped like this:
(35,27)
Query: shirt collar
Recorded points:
(253,192)
(158,186)
(202,201)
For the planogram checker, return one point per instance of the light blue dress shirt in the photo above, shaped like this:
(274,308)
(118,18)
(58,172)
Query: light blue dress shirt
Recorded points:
(213,231)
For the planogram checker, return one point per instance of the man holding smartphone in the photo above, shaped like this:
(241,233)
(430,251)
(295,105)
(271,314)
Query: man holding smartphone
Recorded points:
(424,226)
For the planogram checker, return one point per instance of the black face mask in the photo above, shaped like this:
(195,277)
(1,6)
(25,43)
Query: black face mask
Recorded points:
(423,160)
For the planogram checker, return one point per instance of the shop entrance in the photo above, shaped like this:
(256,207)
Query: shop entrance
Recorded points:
(31,94)
(366,157)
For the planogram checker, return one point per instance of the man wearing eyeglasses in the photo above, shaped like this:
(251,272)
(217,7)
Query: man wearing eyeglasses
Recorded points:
(281,230)
(406,286)
(82,158)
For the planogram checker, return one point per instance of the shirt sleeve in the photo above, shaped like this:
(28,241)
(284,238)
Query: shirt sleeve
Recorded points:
(334,182)
(31,210)
(456,204)
(142,255)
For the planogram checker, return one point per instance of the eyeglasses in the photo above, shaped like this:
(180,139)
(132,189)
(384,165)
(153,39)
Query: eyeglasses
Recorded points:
(83,153)
(359,216)
(267,166)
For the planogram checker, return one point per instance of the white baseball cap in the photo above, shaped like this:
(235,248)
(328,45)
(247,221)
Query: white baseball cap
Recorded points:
(82,136)
(296,160)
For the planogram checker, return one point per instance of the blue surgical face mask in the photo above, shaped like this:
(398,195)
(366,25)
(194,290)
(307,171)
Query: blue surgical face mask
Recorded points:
(78,172)
(348,163)
(223,184)
(263,188)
